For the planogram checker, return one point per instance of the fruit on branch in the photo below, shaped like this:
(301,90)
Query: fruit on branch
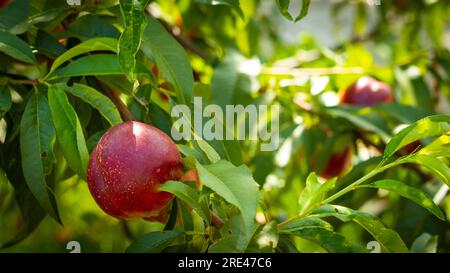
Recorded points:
(367,91)
(127,166)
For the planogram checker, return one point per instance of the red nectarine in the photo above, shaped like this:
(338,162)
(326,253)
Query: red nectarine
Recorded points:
(367,91)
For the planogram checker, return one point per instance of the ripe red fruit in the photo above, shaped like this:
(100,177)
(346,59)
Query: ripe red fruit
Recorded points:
(367,91)
(126,168)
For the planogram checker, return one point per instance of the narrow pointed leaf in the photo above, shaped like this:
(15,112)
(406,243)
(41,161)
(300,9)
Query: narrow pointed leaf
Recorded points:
(133,16)
(69,132)
(99,101)
(94,44)
(406,191)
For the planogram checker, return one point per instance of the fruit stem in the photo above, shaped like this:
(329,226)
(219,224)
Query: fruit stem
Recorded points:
(216,221)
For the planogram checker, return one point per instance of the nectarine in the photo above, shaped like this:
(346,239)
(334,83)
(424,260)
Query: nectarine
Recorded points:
(127,166)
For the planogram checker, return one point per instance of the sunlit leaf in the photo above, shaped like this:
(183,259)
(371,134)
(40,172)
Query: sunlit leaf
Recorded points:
(93,65)
(388,238)
(303,10)
(426,127)
(170,58)
(69,132)
(235,184)
(188,195)
(129,42)
(329,240)
(94,44)
(13,46)
(436,166)
(406,191)
(314,192)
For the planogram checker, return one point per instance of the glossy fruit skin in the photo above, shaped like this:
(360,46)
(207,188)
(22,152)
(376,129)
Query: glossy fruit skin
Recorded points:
(367,91)
(126,168)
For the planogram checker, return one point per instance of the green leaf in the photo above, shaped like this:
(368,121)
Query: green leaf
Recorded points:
(90,26)
(94,44)
(358,116)
(235,238)
(154,242)
(403,113)
(426,127)
(188,195)
(98,64)
(129,42)
(438,167)
(171,59)
(283,7)
(37,137)
(99,101)
(69,132)
(303,10)
(314,192)
(388,238)
(406,191)
(13,46)
(235,184)
(231,3)
(5,99)
(329,240)
(440,147)
(210,152)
